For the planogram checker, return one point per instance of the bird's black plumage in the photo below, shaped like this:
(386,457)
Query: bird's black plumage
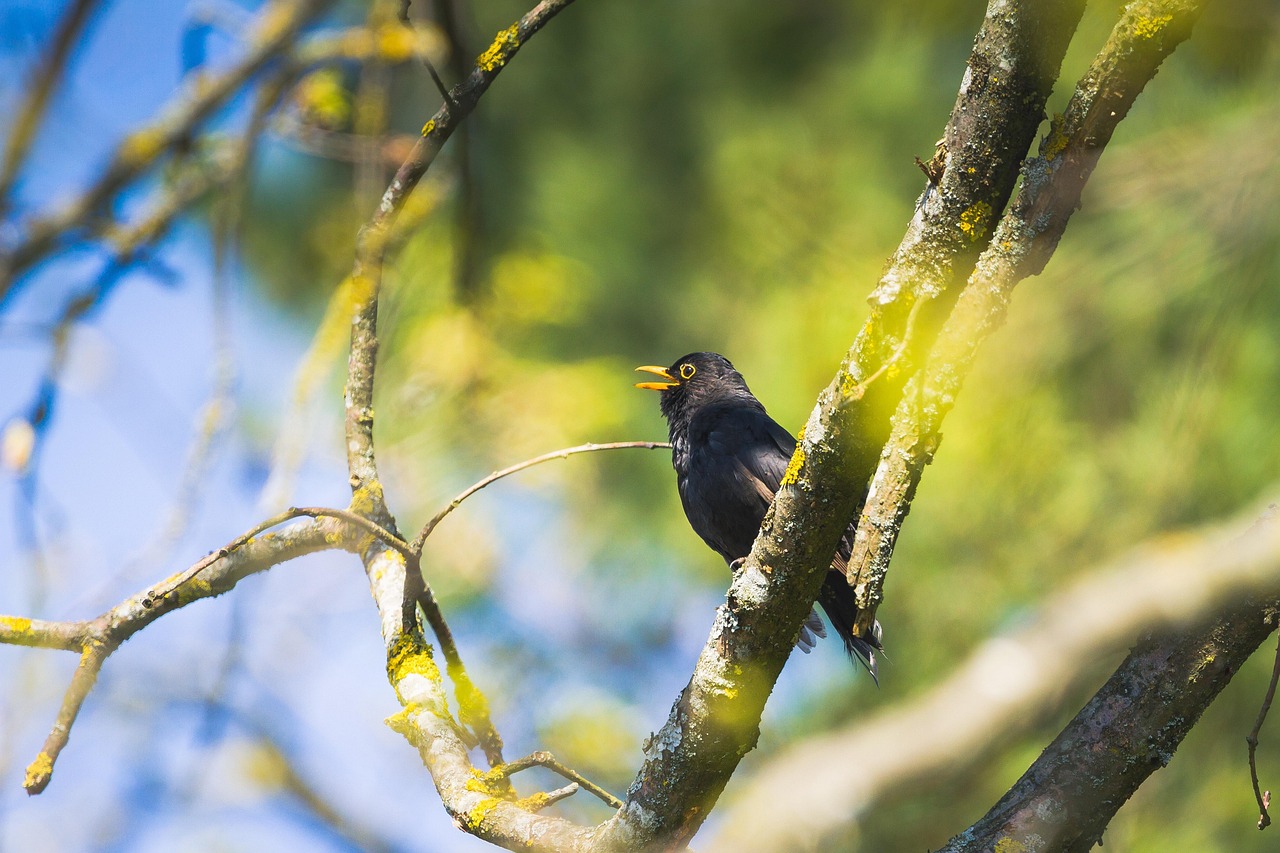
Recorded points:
(730,457)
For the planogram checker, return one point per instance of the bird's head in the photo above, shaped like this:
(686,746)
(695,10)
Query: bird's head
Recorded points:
(694,380)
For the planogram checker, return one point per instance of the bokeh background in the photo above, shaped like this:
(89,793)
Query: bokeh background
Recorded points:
(643,181)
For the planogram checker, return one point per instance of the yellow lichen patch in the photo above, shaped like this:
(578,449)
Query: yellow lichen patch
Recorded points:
(848,385)
(973,221)
(534,802)
(1201,665)
(323,98)
(482,809)
(141,147)
(399,722)
(507,42)
(1010,845)
(396,42)
(408,655)
(38,771)
(1149,27)
(429,128)
(16,624)
(194,589)
(365,498)
(485,778)
(792,475)
(1057,141)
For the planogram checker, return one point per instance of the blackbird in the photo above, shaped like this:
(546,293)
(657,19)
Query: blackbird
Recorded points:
(730,457)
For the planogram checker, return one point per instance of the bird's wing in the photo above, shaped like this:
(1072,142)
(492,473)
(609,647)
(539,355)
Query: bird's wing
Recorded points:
(758,447)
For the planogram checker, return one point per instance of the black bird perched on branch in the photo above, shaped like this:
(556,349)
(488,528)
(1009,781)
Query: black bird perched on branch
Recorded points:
(730,457)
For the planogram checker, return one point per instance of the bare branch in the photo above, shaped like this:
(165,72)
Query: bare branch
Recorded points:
(715,721)
(1126,732)
(27,119)
(276,27)
(547,760)
(1026,236)
(37,633)
(1264,799)
(537,802)
(1008,685)
(396,583)
(96,639)
(520,466)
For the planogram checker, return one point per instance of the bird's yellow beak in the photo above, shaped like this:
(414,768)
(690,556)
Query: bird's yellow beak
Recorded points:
(657,371)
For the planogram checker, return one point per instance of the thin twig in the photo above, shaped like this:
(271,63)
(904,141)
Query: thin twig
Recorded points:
(542,758)
(403,15)
(891,363)
(473,707)
(440,86)
(52,66)
(1263,798)
(520,466)
(393,541)
(357,520)
(160,593)
(40,771)
(98,638)
(276,27)
(541,802)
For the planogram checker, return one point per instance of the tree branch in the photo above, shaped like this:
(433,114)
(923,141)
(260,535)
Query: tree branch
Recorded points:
(1263,798)
(1029,231)
(564,453)
(52,66)
(96,639)
(277,26)
(1014,681)
(715,721)
(1127,731)
(398,587)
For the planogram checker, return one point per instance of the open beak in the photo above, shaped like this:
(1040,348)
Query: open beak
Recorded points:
(657,371)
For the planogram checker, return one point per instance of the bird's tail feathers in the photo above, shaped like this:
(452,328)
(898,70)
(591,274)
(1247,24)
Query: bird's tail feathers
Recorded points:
(810,632)
(866,649)
(838,601)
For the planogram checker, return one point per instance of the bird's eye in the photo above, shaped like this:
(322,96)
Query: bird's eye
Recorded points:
(687,371)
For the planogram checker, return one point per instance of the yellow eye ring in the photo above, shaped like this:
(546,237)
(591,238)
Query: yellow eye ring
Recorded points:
(687,371)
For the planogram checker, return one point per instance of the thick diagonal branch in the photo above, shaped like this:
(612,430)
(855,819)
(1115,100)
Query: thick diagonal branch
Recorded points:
(715,721)
(1013,682)
(1146,33)
(1127,731)
(488,811)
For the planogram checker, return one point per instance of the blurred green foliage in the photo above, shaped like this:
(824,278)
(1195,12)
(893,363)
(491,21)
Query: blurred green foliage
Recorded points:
(670,176)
